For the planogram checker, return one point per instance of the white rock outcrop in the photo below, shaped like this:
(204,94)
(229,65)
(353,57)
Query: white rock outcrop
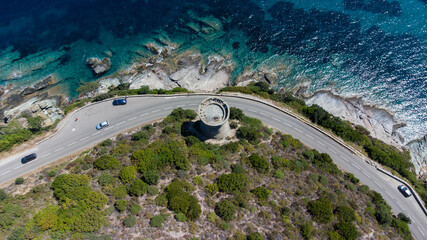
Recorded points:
(418,150)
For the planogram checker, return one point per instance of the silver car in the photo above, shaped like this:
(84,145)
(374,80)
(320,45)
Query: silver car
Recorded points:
(102,125)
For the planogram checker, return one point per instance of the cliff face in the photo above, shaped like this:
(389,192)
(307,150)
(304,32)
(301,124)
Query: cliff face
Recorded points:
(418,150)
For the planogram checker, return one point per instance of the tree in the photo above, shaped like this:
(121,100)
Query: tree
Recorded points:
(128,174)
(404,218)
(383,214)
(225,210)
(157,221)
(236,113)
(35,124)
(321,210)
(259,163)
(106,162)
(138,188)
(151,177)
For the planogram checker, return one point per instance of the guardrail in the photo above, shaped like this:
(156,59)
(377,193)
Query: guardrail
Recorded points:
(271,104)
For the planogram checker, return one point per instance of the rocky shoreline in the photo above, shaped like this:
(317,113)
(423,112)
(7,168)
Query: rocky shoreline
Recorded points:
(163,65)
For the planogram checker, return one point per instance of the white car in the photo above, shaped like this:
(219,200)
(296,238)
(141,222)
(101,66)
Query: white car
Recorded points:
(102,125)
(404,190)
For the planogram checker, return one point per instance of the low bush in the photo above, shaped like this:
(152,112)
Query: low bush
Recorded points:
(128,174)
(402,228)
(105,179)
(121,205)
(255,236)
(225,210)
(129,221)
(3,194)
(262,193)
(306,230)
(321,210)
(180,217)
(120,192)
(19,181)
(157,221)
(138,188)
(345,213)
(151,177)
(404,218)
(106,162)
(347,230)
(152,190)
(278,174)
(212,188)
(232,182)
(134,209)
(259,163)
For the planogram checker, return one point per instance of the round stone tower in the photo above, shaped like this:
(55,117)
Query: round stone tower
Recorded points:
(214,114)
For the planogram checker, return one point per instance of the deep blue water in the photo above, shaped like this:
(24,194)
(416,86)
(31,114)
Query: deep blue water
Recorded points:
(376,49)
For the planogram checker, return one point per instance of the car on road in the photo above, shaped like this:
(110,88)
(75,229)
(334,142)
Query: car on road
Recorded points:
(404,190)
(28,158)
(121,101)
(102,125)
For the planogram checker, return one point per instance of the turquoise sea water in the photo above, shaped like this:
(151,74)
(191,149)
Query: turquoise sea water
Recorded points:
(376,49)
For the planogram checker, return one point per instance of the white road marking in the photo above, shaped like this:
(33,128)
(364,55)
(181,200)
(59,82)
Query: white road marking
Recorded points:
(155,110)
(390,195)
(332,150)
(120,123)
(344,158)
(180,106)
(170,97)
(379,185)
(287,124)
(192,104)
(19,166)
(400,205)
(420,230)
(166,108)
(73,129)
(93,134)
(84,139)
(309,136)
(355,166)
(130,119)
(143,114)
(264,114)
(276,119)
(243,108)
(251,110)
(59,149)
(298,130)
(321,143)
(366,174)
(46,155)
(71,144)
(8,171)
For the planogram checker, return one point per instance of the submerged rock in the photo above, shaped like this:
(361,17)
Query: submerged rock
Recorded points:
(42,84)
(99,66)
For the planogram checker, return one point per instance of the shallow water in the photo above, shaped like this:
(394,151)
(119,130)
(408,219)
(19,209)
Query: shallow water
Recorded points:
(376,49)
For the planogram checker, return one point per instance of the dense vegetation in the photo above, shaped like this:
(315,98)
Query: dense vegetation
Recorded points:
(376,150)
(163,177)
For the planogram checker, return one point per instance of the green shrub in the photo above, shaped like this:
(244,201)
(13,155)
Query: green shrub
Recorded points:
(161,200)
(151,177)
(225,226)
(323,180)
(306,230)
(212,188)
(212,216)
(51,174)
(70,186)
(232,182)
(383,214)
(107,143)
(259,163)
(106,162)
(138,188)
(152,190)
(120,192)
(19,181)
(236,113)
(225,210)
(129,221)
(324,162)
(35,124)
(237,168)
(180,217)
(180,200)
(17,234)
(351,178)
(402,228)
(87,87)
(404,218)
(128,174)
(321,210)
(255,236)
(249,133)
(364,189)
(157,221)
(3,194)
(134,209)
(262,193)
(9,214)
(105,179)
(233,125)
(345,213)
(121,205)
(198,180)
(278,174)
(347,230)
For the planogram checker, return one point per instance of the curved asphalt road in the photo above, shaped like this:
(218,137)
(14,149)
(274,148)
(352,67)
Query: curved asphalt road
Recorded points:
(75,136)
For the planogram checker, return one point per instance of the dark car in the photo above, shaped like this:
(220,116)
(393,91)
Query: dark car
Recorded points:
(121,101)
(404,190)
(28,158)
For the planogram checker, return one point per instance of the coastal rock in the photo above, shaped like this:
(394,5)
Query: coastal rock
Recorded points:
(105,84)
(194,77)
(154,80)
(42,84)
(47,103)
(380,123)
(14,99)
(154,48)
(99,66)
(270,77)
(418,151)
